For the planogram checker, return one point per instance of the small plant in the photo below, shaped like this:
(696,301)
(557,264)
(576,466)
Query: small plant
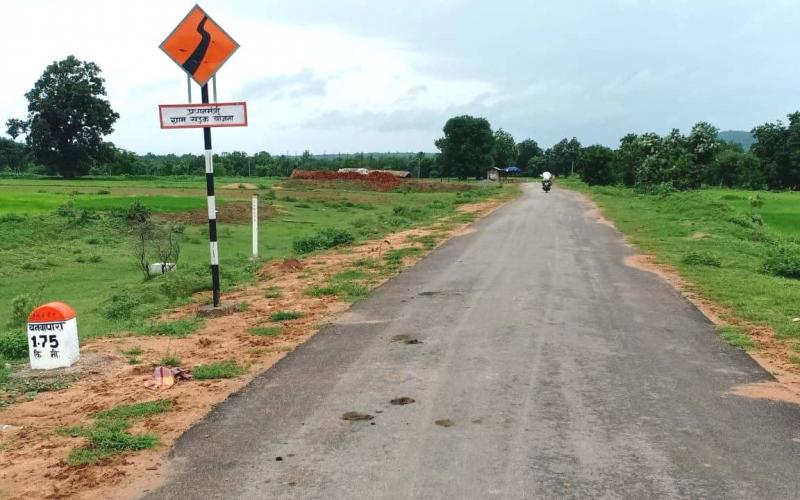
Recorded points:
(285,315)
(170,360)
(736,337)
(176,328)
(273,292)
(242,306)
(21,307)
(701,259)
(223,369)
(133,351)
(120,306)
(103,191)
(13,344)
(266,331)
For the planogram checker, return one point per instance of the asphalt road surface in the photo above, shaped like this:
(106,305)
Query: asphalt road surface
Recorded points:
(553,370)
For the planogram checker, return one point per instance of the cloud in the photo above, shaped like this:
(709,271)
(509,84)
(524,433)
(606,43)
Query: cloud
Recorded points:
(295,86)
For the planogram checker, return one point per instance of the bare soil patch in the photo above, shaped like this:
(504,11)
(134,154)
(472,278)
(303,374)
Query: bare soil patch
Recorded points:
(34,448)
(243,185)
(233,212)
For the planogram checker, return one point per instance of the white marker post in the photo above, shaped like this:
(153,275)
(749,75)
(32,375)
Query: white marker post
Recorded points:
(255,226)
(53,337)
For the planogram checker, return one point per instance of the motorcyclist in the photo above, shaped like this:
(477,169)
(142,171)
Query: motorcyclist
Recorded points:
(547,178)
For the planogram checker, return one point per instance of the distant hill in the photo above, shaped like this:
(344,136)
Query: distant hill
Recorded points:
(739,136)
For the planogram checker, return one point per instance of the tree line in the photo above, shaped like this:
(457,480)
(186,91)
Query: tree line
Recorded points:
(68,118)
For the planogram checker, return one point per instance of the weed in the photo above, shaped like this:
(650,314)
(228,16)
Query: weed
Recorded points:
(176,328)
(133,360)
(109,434)
(224,369)
(783,261)
(170,360)
(13,344)
(701,259)
(133,351)
(285,315)
(120,306)
(21,308)
(273,292)
(737,337)
(266,331)
(242,306)
(368,263)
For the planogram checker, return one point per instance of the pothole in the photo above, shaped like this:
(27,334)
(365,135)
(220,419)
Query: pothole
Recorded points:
(402,401)
(354,416)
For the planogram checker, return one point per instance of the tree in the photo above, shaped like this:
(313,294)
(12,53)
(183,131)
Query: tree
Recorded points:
(466,147)
(528,149)
(505,149)
(563,156)
(596,165)
(67,117)
(13,155)
(703,143)
(629,157)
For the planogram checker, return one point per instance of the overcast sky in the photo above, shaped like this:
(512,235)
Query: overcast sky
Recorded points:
(357,75)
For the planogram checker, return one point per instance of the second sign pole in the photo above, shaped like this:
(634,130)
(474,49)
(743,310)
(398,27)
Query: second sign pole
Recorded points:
(212,206)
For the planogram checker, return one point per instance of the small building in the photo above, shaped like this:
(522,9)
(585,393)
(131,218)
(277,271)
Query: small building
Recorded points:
(495,174)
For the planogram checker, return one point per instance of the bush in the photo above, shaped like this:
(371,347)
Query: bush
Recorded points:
(120,306)
(783,261)
(702,259)
(13,344)
(327,238)
(180,284)
(21,308)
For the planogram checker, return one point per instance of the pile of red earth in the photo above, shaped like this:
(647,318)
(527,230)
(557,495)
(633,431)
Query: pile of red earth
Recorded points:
(382,181)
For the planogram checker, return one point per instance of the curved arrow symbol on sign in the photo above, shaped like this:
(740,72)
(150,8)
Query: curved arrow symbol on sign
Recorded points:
(199,53)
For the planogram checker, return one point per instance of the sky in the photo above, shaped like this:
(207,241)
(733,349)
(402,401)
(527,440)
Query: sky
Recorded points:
(353,75)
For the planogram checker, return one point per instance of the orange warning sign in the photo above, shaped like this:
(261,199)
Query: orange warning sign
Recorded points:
(199,45)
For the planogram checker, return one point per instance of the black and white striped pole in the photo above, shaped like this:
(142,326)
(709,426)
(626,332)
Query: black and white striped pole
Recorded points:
(212,206)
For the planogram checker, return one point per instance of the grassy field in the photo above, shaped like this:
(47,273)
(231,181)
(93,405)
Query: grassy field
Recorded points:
(82,254)
(740,249)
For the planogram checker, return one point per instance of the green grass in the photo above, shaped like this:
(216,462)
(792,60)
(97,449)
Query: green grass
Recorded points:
(348,286)
(273,292)
(133,351)
(728,251)
(223,369)
(170,360)
(285,315)
(737,337)
(33,237)
(266,331)
(109,436)
(177,328)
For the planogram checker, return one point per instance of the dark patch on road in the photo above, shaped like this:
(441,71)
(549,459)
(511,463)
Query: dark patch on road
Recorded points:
(354,416)
(446,422)
(402,401)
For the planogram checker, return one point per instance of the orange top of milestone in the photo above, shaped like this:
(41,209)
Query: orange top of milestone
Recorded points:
(199,45)
(52,312)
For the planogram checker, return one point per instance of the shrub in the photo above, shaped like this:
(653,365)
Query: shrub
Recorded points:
(21,307)
(701,259)
(120,306)
(180,284)
(783,261)
(327,238)
(13,344)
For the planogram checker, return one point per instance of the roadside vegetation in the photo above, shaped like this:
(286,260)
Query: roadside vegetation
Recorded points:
(741,249)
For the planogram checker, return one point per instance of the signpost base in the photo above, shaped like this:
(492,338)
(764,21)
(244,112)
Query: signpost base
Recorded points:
(212,311)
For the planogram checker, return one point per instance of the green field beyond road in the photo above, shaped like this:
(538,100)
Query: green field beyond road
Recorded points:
(84,256)
(724,244)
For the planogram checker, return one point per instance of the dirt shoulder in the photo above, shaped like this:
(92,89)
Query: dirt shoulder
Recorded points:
(774,355)
(31,447)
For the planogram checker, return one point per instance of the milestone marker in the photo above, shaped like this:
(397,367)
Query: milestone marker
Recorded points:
(53,336)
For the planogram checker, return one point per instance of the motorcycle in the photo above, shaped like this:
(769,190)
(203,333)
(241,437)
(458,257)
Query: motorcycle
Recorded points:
(546,185)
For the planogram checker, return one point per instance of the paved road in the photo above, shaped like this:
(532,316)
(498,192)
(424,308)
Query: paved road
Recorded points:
(565,373)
